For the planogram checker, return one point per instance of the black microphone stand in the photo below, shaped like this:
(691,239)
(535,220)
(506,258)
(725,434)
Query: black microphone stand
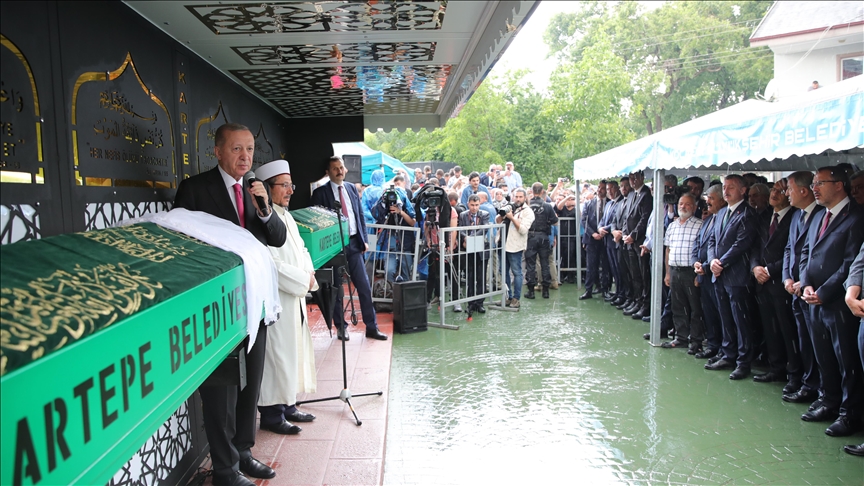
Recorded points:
(345,394)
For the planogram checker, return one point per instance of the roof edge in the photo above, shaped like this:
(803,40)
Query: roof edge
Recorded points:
(808,31)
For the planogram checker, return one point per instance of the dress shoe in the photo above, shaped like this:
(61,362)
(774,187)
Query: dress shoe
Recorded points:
(769,377)
(233,479)
(694,350)
(607,297)
(647,335)
(529,294)
(545,292)
(586,296)
(618,303)
(707,353)
(676,344)
(722,364)
(481,309)
(844,426)
(629,311)
(624,304)
(801,396)
(638,315)
(821,414)
(256,469)
(815,405)
(298,416)
(739,374)
(855,450)
(376,334)
(342,335)
(284,428)
(792,387)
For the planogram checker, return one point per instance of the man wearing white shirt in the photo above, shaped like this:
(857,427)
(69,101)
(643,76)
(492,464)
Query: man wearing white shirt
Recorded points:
(230,413)
(775,304)
(328,195)
(511,177)
(801,196)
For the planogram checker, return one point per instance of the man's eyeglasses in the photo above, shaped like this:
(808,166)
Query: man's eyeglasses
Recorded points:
(284,185)
(819,183)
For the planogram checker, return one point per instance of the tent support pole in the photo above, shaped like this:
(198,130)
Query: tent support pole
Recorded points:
(578,236)
(658,267)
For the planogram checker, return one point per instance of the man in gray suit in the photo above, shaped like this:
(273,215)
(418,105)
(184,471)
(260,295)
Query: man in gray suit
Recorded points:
(855,301)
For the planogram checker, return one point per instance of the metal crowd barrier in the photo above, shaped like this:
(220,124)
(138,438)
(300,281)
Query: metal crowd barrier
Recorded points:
(573,261)
(480,258)
(392,257)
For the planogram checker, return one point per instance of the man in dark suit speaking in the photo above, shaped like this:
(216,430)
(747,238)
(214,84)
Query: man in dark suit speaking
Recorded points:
(229,413)
(346,194)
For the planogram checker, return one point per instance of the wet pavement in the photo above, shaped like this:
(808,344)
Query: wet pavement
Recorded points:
(568,392)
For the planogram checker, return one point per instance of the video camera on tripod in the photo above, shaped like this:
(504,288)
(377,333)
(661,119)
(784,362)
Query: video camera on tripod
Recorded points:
(433,200)
(390,197)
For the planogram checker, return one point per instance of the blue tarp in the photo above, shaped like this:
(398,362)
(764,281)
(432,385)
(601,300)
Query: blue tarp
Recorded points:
(828,118)
(371,160)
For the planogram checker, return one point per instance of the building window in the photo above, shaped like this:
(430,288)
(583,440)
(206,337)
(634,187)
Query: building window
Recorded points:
(851,66)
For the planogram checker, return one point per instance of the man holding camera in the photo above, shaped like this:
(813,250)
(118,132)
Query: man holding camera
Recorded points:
(538,241)
(394,209)
(519,220)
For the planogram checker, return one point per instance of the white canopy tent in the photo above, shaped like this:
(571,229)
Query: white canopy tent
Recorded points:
(815,129)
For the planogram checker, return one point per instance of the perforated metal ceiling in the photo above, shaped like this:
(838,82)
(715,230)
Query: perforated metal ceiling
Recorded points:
(400,64)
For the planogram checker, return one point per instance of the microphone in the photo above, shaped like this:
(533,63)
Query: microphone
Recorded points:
(248,180)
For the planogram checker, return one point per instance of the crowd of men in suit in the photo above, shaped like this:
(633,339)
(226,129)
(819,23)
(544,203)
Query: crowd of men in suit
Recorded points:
(754,274)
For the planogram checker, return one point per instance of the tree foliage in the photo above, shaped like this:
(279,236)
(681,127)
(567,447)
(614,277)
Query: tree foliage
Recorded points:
(684,59)
(624,72)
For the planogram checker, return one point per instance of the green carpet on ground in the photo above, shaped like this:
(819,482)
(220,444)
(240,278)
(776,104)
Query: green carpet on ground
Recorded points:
(568,392)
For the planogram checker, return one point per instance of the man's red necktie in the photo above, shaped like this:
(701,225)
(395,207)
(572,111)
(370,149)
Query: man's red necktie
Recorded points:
(238,193)
(342,200)
(773,227)
(825,224)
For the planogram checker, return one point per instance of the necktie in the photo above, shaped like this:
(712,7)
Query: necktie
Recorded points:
(601,205)
(825,224)
(342,200)
(238,194)
(726,219)
(773,227)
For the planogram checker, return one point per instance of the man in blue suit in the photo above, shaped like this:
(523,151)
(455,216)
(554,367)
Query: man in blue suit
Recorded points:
(832,245)
(729,247)
(595,250)
(346,194)
(612,209)
(710,312)
(801,196)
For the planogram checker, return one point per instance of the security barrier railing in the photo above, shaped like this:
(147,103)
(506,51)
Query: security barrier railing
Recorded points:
(393,257)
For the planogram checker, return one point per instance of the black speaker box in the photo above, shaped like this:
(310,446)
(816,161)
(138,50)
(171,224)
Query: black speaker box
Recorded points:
(354,164)
(409,307)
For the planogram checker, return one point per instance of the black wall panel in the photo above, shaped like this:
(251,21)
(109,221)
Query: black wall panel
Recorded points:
(125,113)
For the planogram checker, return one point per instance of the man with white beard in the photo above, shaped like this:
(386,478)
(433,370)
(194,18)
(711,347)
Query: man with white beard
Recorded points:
(685,297)
(289,364)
